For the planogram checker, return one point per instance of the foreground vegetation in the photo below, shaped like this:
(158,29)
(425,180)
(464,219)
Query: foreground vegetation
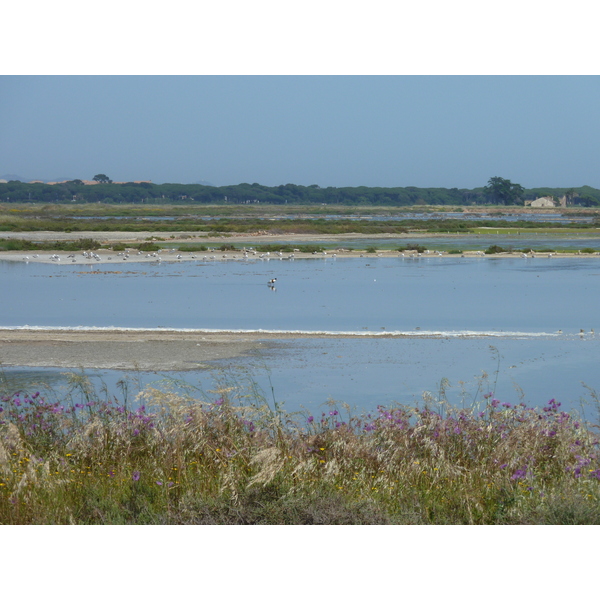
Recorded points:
(228,457)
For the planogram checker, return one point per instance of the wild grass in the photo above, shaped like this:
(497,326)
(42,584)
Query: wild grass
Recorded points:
(230,456)
(17,245)
(291,223)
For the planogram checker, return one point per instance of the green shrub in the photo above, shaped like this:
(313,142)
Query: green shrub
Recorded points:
(273,248)
(147,247)
(418,247)
(495,249)
(193,248)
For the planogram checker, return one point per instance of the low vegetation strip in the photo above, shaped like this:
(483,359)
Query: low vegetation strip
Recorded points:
(228,457)
(281,226)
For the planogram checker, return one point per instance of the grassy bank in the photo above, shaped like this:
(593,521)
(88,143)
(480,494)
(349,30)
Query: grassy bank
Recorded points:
(284,226)
(228,457)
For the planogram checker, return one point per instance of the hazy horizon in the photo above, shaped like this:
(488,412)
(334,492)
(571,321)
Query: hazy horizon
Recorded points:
(9,177)
(340,131)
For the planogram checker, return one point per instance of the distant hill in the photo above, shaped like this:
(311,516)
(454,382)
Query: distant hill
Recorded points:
(13,177)
(62,179)
(201,182)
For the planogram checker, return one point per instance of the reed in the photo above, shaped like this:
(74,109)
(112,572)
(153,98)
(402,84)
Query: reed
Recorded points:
(181,455)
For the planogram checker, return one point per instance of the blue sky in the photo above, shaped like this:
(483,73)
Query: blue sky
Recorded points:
(431,95)
(425,131)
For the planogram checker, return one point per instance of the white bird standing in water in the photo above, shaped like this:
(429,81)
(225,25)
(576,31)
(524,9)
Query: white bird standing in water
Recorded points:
(272,281)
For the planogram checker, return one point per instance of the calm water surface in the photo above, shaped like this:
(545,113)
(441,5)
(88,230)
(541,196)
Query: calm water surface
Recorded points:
(490,323)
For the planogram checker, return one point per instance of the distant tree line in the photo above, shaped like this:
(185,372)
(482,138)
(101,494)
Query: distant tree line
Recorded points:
(498,191)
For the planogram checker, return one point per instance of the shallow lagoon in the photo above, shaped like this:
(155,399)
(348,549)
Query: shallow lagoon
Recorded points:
(365,373)
(465,317)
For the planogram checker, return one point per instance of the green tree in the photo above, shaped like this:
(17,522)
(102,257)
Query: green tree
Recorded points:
(503,191)
(570,195)
(587,200)
(101,178)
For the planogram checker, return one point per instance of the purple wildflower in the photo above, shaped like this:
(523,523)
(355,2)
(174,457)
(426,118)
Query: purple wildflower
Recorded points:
(135,476)
(520,473)
(310,419)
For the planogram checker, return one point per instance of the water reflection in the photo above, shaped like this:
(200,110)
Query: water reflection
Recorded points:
(14,379)
(365,373)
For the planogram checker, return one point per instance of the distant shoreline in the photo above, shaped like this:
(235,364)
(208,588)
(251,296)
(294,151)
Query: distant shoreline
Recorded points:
(131,239)
(105,256)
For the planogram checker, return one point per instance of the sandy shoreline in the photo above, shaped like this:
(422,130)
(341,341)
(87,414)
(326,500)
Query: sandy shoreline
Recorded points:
(246,252)
(122,350)
(107,257)
(142,349)
(118,259)
(160,350)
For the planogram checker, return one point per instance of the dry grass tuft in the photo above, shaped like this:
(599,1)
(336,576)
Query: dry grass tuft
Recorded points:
(181,455)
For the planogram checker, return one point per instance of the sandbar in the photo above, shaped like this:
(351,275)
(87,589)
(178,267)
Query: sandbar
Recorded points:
(144,350)
(139,349)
